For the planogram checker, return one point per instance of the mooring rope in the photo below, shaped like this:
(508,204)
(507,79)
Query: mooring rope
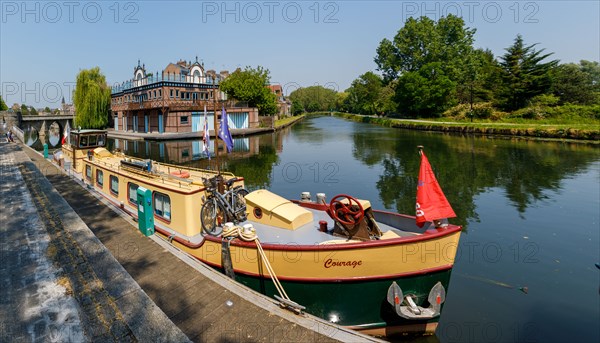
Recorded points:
(249,236)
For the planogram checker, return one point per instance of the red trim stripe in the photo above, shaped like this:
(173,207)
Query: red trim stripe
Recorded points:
(342,279)
(429,235)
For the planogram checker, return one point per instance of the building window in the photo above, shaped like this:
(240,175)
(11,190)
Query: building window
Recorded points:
(171,95)
(160,93)
(184,120)
(99,178)
(114,185)
(177,93)
(88,172)
(132,192)
(162,206)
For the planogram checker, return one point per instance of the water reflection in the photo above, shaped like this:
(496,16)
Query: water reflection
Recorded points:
(467,166)
(54,135)
(31,136)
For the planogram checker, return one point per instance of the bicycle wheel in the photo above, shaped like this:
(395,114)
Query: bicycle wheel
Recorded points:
(212,217)
(239,206)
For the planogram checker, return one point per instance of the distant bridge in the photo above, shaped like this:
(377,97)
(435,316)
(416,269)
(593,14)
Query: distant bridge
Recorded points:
(42,123)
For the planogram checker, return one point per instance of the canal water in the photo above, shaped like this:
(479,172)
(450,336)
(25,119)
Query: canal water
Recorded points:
(525,269)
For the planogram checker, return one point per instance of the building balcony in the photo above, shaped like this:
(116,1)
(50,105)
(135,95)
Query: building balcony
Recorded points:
(153,81)
(177,105)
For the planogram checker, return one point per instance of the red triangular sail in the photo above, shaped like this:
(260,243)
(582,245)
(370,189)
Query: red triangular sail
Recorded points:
(431,201)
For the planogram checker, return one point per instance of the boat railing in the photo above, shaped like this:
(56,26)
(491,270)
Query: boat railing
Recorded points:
(205,171)
(160,168)
(171,179)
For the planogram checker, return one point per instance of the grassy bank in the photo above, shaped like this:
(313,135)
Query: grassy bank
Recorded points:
(577,131)
(283,122)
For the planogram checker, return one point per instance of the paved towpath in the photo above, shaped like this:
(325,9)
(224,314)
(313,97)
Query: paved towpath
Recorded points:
(59,283)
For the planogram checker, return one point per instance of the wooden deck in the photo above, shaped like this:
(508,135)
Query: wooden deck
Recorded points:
(205,306)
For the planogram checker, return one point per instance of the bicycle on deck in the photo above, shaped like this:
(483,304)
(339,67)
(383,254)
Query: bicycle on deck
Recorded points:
(219,208)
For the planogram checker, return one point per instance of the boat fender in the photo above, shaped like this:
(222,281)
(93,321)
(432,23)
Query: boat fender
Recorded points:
(226,258)
(170,238)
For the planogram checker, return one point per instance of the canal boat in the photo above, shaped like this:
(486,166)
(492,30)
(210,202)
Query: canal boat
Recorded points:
(375,271)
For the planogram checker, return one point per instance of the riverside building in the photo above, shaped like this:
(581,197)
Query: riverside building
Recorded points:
(174,99)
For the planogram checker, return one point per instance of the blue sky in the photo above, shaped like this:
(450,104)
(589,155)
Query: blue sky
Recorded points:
(44,44)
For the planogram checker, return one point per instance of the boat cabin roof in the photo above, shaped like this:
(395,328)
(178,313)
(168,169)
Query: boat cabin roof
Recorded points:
(161,175)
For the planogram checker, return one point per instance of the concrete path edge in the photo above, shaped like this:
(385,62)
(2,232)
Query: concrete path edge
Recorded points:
(146,320)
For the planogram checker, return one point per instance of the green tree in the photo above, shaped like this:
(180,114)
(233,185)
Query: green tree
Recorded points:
(24,109)
(250,85)
(3,106)
(297,108)
(422,41)
(91,99)
(384,103)
(33,111)
(427,92)
(431,53)
(577,83)
(364,93)
(483,75)
(341,103)
(314,99)
(524,74)
(592,68)
(47,109)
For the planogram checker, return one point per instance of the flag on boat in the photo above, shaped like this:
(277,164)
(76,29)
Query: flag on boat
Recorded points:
(224,133)
(206,136)
(66,134)
(431,201)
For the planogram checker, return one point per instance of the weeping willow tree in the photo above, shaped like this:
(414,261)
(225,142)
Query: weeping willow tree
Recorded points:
(91,99)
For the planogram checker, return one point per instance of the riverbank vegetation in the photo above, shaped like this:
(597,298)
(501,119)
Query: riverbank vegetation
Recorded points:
(431,70)
(3,106)
(283,122)
(576,131)
(249,85)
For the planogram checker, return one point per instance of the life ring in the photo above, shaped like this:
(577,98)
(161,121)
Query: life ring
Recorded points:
(181,173)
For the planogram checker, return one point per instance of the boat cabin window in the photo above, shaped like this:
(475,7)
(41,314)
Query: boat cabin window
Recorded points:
(99,178)
(162,206)
(74,139)
(88,172)
(132,192)
(88,140)
(114,185)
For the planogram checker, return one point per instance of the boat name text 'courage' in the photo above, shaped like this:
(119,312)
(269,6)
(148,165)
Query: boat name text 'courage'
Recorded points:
(331,263)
